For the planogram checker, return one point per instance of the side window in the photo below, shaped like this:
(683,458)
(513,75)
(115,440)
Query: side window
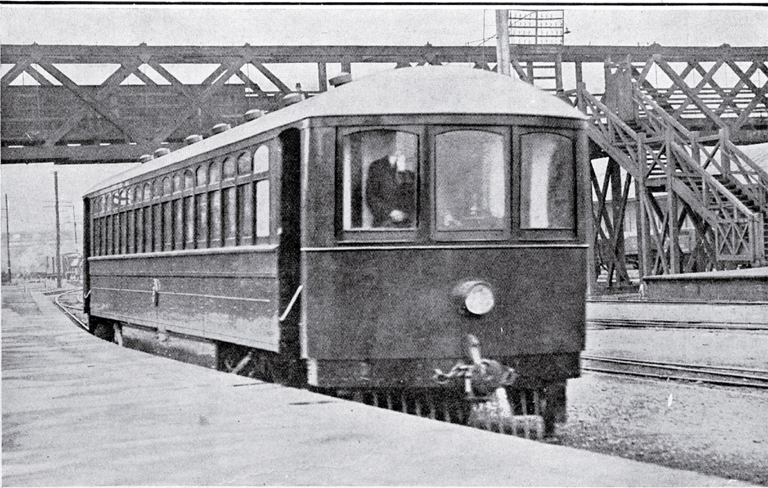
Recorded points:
(214,218)
(124,232)
(261,211)
(214,174)
(229,209)
(547,181)
(261,159)
(262,208)
(109,235)
(380,172)
(178,224)
(167,226)
(471,182)
(157,228)
(189,180)
(202,175)
(201,220)
(230,167)
(131,232)
(189,220)
(139,238)
(147,229)
(244,163)
(103,230)
(245,214)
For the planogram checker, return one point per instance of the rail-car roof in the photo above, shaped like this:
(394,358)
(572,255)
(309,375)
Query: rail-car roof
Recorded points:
(427,90)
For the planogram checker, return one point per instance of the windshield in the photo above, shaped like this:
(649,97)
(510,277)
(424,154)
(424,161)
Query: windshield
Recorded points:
(470,181)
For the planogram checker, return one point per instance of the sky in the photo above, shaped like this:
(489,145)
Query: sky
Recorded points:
(30,187)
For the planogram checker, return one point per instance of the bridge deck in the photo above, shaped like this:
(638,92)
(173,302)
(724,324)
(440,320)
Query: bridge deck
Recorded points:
(79,411)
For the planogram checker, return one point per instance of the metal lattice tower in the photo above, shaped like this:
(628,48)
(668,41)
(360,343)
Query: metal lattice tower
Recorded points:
(537,27)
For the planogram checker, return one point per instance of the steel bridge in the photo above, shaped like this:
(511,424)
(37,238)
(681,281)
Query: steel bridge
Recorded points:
(668,120)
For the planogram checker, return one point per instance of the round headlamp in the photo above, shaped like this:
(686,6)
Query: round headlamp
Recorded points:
(475,297)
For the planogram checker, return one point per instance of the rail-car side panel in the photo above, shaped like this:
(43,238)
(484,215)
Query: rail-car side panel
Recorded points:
(229,296)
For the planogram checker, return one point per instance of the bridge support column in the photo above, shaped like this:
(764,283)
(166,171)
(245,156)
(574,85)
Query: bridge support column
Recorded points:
(672,208)
(644,259)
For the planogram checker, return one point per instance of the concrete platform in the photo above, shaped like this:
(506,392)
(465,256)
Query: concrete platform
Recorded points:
(635,311)
(739,285)
(81,412)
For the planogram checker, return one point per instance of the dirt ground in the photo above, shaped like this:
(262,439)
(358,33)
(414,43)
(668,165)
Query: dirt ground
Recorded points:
(718,431)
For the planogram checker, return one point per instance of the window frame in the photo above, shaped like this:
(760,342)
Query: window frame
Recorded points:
(557,234)
(164,208)
(504,234)
(407,234)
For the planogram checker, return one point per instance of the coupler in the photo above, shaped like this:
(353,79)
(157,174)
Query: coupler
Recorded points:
(484,382)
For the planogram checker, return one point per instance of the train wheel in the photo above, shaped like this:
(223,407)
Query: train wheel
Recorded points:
(117,334)
(554,406)
(104,331)
(234,359)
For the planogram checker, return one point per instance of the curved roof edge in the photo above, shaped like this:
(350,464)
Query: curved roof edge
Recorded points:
(424,90)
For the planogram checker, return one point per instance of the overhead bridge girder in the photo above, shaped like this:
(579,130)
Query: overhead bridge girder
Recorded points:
(142,103)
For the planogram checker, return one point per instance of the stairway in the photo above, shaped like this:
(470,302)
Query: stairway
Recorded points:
(749,201)
(719,183)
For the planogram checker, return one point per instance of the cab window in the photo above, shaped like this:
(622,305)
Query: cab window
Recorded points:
(471,184)
(547,182)
(380,173)
(470,180)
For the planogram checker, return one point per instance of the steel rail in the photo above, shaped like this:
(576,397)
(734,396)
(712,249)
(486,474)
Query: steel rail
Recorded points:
(671,324)
(718,375)
(68,309)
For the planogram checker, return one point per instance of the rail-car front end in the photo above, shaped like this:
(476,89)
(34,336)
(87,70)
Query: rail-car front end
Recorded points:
(478,231)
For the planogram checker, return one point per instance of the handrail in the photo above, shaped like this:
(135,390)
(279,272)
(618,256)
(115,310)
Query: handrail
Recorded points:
(685,152)
(730,154)
(712,182)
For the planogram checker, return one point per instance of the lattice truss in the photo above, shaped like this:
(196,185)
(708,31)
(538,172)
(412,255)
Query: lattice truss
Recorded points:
(701,202)
(721,92)
(145,96)
(142,99)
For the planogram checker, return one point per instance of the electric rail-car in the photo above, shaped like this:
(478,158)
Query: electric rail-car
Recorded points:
(362,242)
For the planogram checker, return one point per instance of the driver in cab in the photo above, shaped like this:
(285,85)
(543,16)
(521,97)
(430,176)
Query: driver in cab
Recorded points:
(390,192)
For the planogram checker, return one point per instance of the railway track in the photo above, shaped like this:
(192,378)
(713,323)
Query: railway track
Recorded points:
(717,375)
(668,324)
(71,303)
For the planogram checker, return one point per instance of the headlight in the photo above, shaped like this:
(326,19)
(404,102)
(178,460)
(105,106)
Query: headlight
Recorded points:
(476,297)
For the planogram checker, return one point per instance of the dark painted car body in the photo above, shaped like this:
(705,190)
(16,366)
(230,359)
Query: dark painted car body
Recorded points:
(354,308)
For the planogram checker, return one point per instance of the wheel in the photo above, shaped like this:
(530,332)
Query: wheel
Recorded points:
(104,331)
(117,334)
(554,406)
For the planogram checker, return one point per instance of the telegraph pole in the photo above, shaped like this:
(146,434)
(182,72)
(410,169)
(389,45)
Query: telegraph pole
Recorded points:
(8,239)
(502,42)
(58,230)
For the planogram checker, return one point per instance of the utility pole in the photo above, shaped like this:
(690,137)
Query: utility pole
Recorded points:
(502,42)
(58,230)
(74,223)
(8,239)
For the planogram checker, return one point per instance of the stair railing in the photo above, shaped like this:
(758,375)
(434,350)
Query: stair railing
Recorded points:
(732,163)
(738,230)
